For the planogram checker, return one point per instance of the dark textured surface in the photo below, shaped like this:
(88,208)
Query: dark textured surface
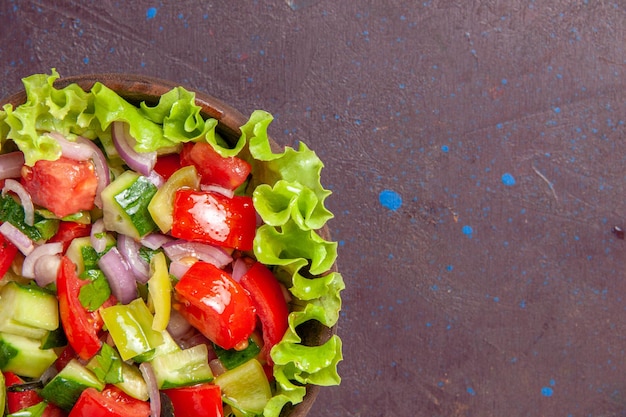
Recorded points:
(475,150)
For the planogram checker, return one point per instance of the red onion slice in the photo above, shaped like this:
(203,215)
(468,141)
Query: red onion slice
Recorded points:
(217,189)
(120,278)
(240,267)
(153,389)
(129,249)
(101,167)
(17,237)
(11,165)
(25,199)
(98,236)
(178,268)
(178,326)
(155,240)
(46,269)
(28,267)
(179,249)
(123,141)
(73,150)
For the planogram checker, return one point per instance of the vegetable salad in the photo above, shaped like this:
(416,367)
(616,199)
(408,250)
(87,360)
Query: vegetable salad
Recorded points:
(150,267)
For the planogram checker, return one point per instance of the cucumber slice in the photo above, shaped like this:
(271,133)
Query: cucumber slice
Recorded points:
(22,356)
(169,345)
(66,386)
(28,311)
(133,383)
(125,205)
(232,358)
(245,387)
(183,368)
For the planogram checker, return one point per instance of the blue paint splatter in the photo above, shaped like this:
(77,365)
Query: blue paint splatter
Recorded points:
(390,199)
(151,13)
(471,391)
(467,230)
(508,179)
(86,60)
(445,148)
(504,81)
(547,391)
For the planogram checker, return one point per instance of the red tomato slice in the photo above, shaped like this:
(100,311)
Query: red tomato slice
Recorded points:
(215,304)
(64,186)
(19,400)
(269,303)
(81,326)
(204,400)
(69,231)
(166,165)
(8,251)
(213,168)
(111,402)
(214,218)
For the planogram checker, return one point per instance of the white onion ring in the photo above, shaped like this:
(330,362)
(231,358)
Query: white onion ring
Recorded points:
(217,189)
(28,267)
(178,268)
(11,165)
(155,240)
(23,243)
(129,249)
(25,199)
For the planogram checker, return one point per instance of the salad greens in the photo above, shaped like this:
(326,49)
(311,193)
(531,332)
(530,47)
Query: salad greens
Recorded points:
(285,187)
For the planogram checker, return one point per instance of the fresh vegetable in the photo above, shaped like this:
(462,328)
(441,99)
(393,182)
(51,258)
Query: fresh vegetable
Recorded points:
(180,267)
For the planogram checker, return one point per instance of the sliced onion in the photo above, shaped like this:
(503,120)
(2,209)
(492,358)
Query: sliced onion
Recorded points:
(141,162)
(179,249)
(217,189)
(178,326)
(156,179)
(97,236)
(73,150)
(153,389)
(129,249)
(46,269)
(25,199)
(28,267)
(155,240)
(240,267)
(178,268)
(101,167)
(11,165)
(120,277)
(17,237)
(217,367)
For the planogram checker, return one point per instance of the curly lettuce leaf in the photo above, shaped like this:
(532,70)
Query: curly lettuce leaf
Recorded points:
(69,111)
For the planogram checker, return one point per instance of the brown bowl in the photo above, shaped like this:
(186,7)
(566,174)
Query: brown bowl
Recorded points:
(138,88)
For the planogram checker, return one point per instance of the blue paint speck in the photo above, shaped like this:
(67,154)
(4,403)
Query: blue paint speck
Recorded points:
(86,60)
(471,391)
(504,81)
(547,391)
(467,230)
(151,13)
(508,179)
(445,148)
(390,199)
(557,110)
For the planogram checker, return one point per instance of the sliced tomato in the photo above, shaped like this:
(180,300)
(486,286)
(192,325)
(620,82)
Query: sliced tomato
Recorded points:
(269,303)
(229,172)
(111,402)
(204,400)
(81,326)
(64,186)
(19,400)
(8,251)
(215,304)
(166,165)
(69,231)
(214,218)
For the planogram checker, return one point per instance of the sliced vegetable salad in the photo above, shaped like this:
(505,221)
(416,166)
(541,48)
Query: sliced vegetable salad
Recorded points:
(150,268)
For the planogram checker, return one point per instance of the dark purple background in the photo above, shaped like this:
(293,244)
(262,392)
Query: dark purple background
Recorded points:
(475,150)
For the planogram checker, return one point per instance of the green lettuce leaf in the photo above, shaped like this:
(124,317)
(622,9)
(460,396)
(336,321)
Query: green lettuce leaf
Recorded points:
(68,111)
